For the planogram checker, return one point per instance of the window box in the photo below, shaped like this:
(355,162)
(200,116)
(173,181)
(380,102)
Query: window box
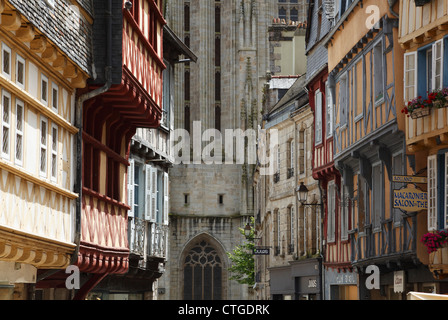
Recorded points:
(419,113)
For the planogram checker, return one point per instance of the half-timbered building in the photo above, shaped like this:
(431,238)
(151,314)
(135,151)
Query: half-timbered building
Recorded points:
(423,35)
(38,81)
(291,230)
(124,94)
(364,61)
(339,280)
(148,194)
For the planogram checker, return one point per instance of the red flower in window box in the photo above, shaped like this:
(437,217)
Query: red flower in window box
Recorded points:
(435,240)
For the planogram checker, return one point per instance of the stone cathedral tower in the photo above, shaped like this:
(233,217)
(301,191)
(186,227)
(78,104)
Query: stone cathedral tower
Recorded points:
(222,90)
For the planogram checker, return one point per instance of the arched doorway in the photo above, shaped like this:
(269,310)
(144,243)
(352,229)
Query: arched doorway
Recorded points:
(202,272)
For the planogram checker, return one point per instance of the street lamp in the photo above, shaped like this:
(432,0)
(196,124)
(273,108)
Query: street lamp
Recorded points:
(302,195)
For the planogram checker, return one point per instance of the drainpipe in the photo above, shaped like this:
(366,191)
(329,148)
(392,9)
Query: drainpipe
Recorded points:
(78,123)
(391,8)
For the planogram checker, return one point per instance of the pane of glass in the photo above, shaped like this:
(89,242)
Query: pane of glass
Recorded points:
(19,147)
(5,146)
(55,139)
(43,160)
(20,68)
(43,137)
(53,165)
(55,98)
(6,109)
(44,90)
(6,60)
(19,115)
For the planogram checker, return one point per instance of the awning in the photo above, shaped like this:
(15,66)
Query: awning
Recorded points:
(426,296)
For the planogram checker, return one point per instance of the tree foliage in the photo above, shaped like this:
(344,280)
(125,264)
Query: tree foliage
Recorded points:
(242,257)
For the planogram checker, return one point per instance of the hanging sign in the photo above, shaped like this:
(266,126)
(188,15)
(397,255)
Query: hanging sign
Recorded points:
(261,251)
(329,7)
(409,179)
(399,281)
(410,199)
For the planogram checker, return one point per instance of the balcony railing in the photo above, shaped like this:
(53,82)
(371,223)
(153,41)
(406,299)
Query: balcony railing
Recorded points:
(157,240)
(137,232)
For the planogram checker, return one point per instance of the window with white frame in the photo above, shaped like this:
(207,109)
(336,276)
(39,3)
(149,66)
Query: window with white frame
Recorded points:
(19,132)
(318,117)
(44,89)
(6,61)
(437,65)
(6,118)
(131,189)
(329,97)
(331,211)
(20,71)
(151,199)
(54,152)
(43,146)
(54,96)
(438,191)
(291,153)
(432,193)
(343,100)
(410,76)
(378,72)
(423,70)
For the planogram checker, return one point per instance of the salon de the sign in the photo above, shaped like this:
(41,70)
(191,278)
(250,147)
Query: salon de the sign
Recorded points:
(410,199)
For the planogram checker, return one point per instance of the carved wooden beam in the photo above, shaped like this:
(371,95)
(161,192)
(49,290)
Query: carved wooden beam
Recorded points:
(80,81)
(26,33)
(431,33)
(70,71)
(443,138)
(443,27)
(38,44)
(419,39)
(11,20)
(60,63)
(430,142)
(415,147)
(50,54)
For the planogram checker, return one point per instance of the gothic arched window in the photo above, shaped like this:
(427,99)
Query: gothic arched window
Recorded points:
(202,273)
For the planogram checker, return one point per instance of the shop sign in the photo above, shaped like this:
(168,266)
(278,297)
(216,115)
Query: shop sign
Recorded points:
(399,283)
(410,199)
(261,251)
(409,179)
(312,283)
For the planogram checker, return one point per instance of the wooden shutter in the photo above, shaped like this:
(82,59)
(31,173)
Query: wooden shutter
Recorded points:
(329,98)
(432,193)
(446,190)
(131,170)
(150,190)
(318,135)
(437,65)
(165,198)
(410,76)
